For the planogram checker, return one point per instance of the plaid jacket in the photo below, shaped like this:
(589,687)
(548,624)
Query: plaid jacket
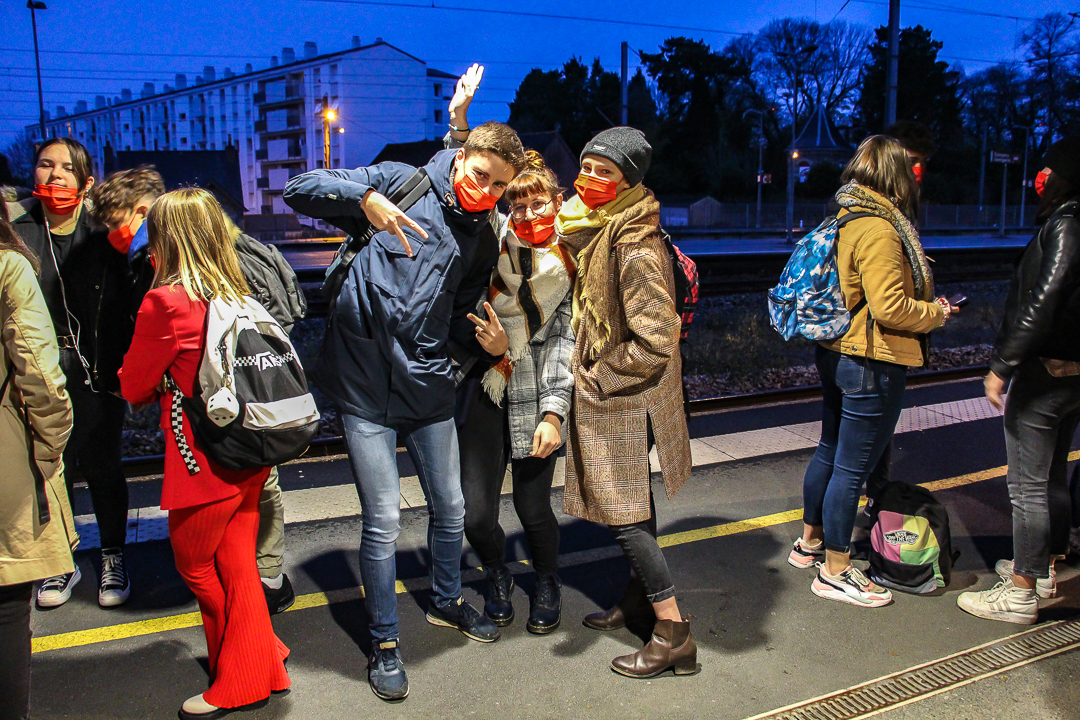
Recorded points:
(541,381)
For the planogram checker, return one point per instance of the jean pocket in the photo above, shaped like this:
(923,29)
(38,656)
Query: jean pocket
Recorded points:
(850,375)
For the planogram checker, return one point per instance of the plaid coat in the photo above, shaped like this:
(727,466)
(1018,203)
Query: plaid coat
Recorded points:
(637,378)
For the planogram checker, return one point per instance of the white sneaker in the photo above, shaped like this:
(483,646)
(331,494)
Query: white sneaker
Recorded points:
(850,586)
(803,556)
(115,586)
(1045,588)
(1004,602)
(56,591)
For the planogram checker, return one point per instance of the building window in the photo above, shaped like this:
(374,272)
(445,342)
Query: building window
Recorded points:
(183,141)
(438,89)
(438,116)
(127,126)
(183,116)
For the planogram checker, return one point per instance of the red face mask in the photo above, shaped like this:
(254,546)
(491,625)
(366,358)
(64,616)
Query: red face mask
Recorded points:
(917,168)
(471,196)
(121,238)
(58,200)
(595,191)
(1040,181)
(536,231)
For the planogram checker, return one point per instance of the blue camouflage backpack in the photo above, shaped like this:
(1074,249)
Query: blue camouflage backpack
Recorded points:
(807,301)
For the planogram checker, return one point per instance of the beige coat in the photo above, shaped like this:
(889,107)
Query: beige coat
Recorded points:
(28,550)
(637,378)
(871,262)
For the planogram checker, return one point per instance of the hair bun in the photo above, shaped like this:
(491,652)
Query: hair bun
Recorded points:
(535,160)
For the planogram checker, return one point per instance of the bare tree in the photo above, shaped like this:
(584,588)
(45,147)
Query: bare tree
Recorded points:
(1052,46)
(20,156)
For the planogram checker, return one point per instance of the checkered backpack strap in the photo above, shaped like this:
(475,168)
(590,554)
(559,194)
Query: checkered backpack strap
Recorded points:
(176,422)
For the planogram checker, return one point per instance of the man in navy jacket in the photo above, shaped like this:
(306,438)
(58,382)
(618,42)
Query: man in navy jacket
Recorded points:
(386,360)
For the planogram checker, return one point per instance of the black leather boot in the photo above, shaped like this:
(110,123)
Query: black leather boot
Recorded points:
(499,606)
(546,611)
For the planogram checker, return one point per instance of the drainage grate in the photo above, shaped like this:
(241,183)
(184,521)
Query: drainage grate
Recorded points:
(935,677)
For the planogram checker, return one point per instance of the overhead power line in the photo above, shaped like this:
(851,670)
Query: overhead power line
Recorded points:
(935,7)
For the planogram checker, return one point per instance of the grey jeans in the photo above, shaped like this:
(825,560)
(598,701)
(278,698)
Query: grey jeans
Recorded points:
(1041,415)
(270,543)
(638,543)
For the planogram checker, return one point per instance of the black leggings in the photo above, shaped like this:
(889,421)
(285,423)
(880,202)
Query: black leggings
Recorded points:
(638,542)
(15,651)
(95,449)
(484,444)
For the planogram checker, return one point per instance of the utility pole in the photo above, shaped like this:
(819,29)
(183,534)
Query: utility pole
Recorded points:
(982,173)
(760,169)
(328,115)
(625,79)
(34,5)
(1024,177)
(892,71)
(1004,194)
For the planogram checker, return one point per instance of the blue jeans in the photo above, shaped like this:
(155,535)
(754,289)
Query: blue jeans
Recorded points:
(862,401)
(373,459)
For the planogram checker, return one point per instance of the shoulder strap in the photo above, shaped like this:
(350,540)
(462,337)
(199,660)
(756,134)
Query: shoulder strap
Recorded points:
(411,190)
(842,221)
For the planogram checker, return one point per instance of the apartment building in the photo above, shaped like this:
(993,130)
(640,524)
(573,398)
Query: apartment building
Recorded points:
(274,116)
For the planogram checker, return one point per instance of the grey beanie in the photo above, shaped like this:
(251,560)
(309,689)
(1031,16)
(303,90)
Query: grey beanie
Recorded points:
(624,146)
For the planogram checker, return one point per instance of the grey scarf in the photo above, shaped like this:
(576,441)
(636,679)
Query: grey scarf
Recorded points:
(854,196)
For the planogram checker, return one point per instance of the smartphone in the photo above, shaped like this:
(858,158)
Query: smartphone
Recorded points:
(958,300)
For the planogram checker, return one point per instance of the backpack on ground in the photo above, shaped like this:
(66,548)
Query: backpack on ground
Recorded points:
(272,280)
(251,407)
(686,284)
(404,197)
(807,302)
(910,544)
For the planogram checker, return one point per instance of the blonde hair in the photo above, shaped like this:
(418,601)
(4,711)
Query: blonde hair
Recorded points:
(191,246)
(536,179)
(881,164)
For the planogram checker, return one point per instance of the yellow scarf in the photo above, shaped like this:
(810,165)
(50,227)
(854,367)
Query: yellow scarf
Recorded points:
(575,216)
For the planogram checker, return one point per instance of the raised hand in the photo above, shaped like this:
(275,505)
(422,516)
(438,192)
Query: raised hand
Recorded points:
(463,96)
(385,215)
(490,334)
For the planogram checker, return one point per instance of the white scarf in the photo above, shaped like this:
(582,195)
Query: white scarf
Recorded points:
(528,285)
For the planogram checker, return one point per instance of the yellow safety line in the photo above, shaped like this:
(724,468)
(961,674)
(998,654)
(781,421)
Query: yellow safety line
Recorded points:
(319,599)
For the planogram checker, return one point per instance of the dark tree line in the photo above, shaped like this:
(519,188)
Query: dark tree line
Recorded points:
(699,105)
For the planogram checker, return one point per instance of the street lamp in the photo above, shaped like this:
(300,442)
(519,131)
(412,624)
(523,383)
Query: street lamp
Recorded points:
(792,157)
(329,115)
(760,169)
(33,5)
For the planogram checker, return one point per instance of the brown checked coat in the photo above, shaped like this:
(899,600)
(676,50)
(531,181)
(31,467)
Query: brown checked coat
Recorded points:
(635,378)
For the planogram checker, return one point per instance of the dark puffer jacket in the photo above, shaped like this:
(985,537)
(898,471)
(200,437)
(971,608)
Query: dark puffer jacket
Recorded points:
(97,285)
(1042,312)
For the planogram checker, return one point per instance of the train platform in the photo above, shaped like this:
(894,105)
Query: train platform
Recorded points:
(766,643)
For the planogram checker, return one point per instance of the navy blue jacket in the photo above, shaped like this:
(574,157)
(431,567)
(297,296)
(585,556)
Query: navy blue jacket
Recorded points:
(386,357)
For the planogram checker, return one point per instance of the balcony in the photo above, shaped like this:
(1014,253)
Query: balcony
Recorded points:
(262,154)
(260,126)
(259,98)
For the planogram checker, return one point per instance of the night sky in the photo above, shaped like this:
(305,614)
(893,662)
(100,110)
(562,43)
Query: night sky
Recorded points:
(100,47)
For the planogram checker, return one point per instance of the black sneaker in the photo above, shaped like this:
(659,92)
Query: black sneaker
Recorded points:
(281,599)
(56,591)
(462,616)
(386,672)
(546,611)
(499,606)
(115,585)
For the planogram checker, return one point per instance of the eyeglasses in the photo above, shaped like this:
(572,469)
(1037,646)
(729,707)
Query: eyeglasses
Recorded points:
(518,211)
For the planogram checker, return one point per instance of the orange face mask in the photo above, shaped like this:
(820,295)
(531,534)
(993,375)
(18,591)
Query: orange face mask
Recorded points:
(535,231)
(1040,181)
(595,191)
(471,196)
(121,238)
(917,168)
(58,200)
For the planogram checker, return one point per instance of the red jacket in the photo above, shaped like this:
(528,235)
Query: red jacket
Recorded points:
(170,337)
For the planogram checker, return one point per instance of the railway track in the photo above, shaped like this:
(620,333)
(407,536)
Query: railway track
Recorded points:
(328,446)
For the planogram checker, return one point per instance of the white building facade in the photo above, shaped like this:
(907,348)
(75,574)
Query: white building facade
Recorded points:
(274,116)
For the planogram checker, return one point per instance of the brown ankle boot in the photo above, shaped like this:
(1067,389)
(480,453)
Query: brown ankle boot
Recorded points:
(672,646)
(633,606)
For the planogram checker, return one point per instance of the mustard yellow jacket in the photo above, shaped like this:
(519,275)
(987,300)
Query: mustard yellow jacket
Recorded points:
(871,261)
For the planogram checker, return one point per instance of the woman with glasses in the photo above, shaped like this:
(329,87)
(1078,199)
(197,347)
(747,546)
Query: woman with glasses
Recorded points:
(516,407)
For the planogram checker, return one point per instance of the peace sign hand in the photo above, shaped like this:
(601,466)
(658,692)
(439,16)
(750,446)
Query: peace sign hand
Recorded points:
(463,95)
(490,334)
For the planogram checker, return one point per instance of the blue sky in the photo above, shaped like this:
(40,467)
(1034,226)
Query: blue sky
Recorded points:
(100,47)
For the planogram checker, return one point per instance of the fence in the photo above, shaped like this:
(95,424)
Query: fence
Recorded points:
(742,216)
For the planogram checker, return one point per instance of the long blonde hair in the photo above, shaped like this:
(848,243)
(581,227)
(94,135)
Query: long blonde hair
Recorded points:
(191,246)
(882,164)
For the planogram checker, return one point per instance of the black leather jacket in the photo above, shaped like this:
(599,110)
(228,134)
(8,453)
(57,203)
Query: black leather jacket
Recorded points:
(1042,312)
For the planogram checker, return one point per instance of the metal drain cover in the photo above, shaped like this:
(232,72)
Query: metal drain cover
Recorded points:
(935,677)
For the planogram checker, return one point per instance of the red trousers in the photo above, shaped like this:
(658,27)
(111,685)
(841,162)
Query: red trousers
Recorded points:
(214,546)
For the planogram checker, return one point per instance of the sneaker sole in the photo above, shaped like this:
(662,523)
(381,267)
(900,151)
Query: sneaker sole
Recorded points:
(444,623)
(828,592)
(62,597)
(1001,615)
(798,564)
(388,698)
(114,599)
(543,630)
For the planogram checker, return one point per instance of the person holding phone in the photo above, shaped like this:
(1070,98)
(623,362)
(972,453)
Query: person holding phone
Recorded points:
(889,289)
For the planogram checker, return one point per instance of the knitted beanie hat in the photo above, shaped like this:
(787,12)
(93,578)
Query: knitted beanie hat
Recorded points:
(624,146)
(1063,157)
